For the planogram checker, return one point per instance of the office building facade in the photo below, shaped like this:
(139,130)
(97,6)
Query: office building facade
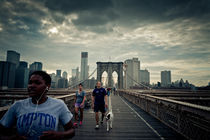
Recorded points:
(7,75)
(144,77)
(165,78)
(64,75)
(22,75)
(84,66)
(36,66)
(132,72)
(13,57)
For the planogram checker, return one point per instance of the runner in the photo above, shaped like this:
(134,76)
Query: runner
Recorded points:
(79,104)
(37,117)
(99,102)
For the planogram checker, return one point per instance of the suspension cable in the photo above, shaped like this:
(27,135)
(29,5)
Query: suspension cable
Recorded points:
(136,81)
(81,81)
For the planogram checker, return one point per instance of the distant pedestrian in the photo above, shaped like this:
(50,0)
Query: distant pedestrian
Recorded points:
(114,90)
(108,91)
(79,104)
(99,102)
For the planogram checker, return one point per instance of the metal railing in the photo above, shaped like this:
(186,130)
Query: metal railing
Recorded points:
(68,99)
(190,120)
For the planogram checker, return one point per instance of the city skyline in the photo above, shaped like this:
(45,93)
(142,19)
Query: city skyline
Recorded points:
(172,36)
(133,69)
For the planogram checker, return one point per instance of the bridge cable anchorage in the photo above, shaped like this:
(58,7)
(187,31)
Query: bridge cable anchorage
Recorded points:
(81,81)
(162,138)
(136,81)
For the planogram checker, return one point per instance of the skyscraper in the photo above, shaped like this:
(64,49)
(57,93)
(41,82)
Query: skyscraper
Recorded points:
(165,78)
(77,73)
(73,72)
(53,80)
(144,77)
(21,75)
(7,74)
(84,66)
(62,83)
(75,77)
(57,77)
(13,57)
(23,64)
(132,72)
(36,66)
(64,75)
(58,73)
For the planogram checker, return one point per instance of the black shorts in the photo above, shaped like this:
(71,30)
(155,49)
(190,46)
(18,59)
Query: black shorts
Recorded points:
(100,108)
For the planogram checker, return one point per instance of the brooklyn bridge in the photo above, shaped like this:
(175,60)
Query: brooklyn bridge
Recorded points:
(138,114)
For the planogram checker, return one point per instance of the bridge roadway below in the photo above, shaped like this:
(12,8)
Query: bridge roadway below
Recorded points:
(130,122)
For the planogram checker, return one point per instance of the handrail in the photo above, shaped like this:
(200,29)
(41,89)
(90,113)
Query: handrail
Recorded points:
(5,108)
(190,120)
(205,108)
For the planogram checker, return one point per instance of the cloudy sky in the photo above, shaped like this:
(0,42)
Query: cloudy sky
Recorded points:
(164,34)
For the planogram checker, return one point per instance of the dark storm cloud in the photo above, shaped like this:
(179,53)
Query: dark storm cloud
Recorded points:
(164,8)
(90,12)
(23,16)
(128,13)
(141,12)
(158,32)
(95,19)
(20,18)
(69,6)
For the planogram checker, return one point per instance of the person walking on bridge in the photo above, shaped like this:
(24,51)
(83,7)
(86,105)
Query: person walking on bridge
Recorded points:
(114,90)
(79,104)
(99,102)
(108,91)
(38,116)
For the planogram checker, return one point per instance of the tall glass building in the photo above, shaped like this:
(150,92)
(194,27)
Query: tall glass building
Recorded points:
(36,66)
(7,75)
(84,66)
(165,78)
(21,75)
(13,57)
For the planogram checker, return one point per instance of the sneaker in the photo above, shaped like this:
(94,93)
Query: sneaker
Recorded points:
(102,122)
(75,124)
(80,123)
(97,126)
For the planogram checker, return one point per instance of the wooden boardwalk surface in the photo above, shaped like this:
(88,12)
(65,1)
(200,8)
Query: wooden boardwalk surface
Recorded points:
(130,122)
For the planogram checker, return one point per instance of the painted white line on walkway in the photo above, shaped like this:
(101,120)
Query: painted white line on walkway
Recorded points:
(143,120)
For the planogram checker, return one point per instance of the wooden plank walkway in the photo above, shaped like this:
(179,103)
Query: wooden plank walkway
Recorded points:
(130,122)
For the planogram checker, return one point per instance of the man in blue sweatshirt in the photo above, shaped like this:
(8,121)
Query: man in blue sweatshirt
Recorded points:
(99,102)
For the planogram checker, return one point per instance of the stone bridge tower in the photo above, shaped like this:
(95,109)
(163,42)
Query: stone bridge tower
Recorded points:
(110,67)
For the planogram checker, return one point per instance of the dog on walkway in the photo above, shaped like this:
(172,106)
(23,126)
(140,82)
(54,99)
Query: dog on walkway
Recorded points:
(109,119)
(109,116)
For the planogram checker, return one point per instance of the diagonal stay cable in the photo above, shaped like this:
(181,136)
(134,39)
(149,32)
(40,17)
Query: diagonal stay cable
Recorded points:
(136,81)
(81,81)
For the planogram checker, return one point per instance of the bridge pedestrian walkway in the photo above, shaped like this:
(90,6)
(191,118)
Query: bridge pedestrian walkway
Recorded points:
(130,122)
